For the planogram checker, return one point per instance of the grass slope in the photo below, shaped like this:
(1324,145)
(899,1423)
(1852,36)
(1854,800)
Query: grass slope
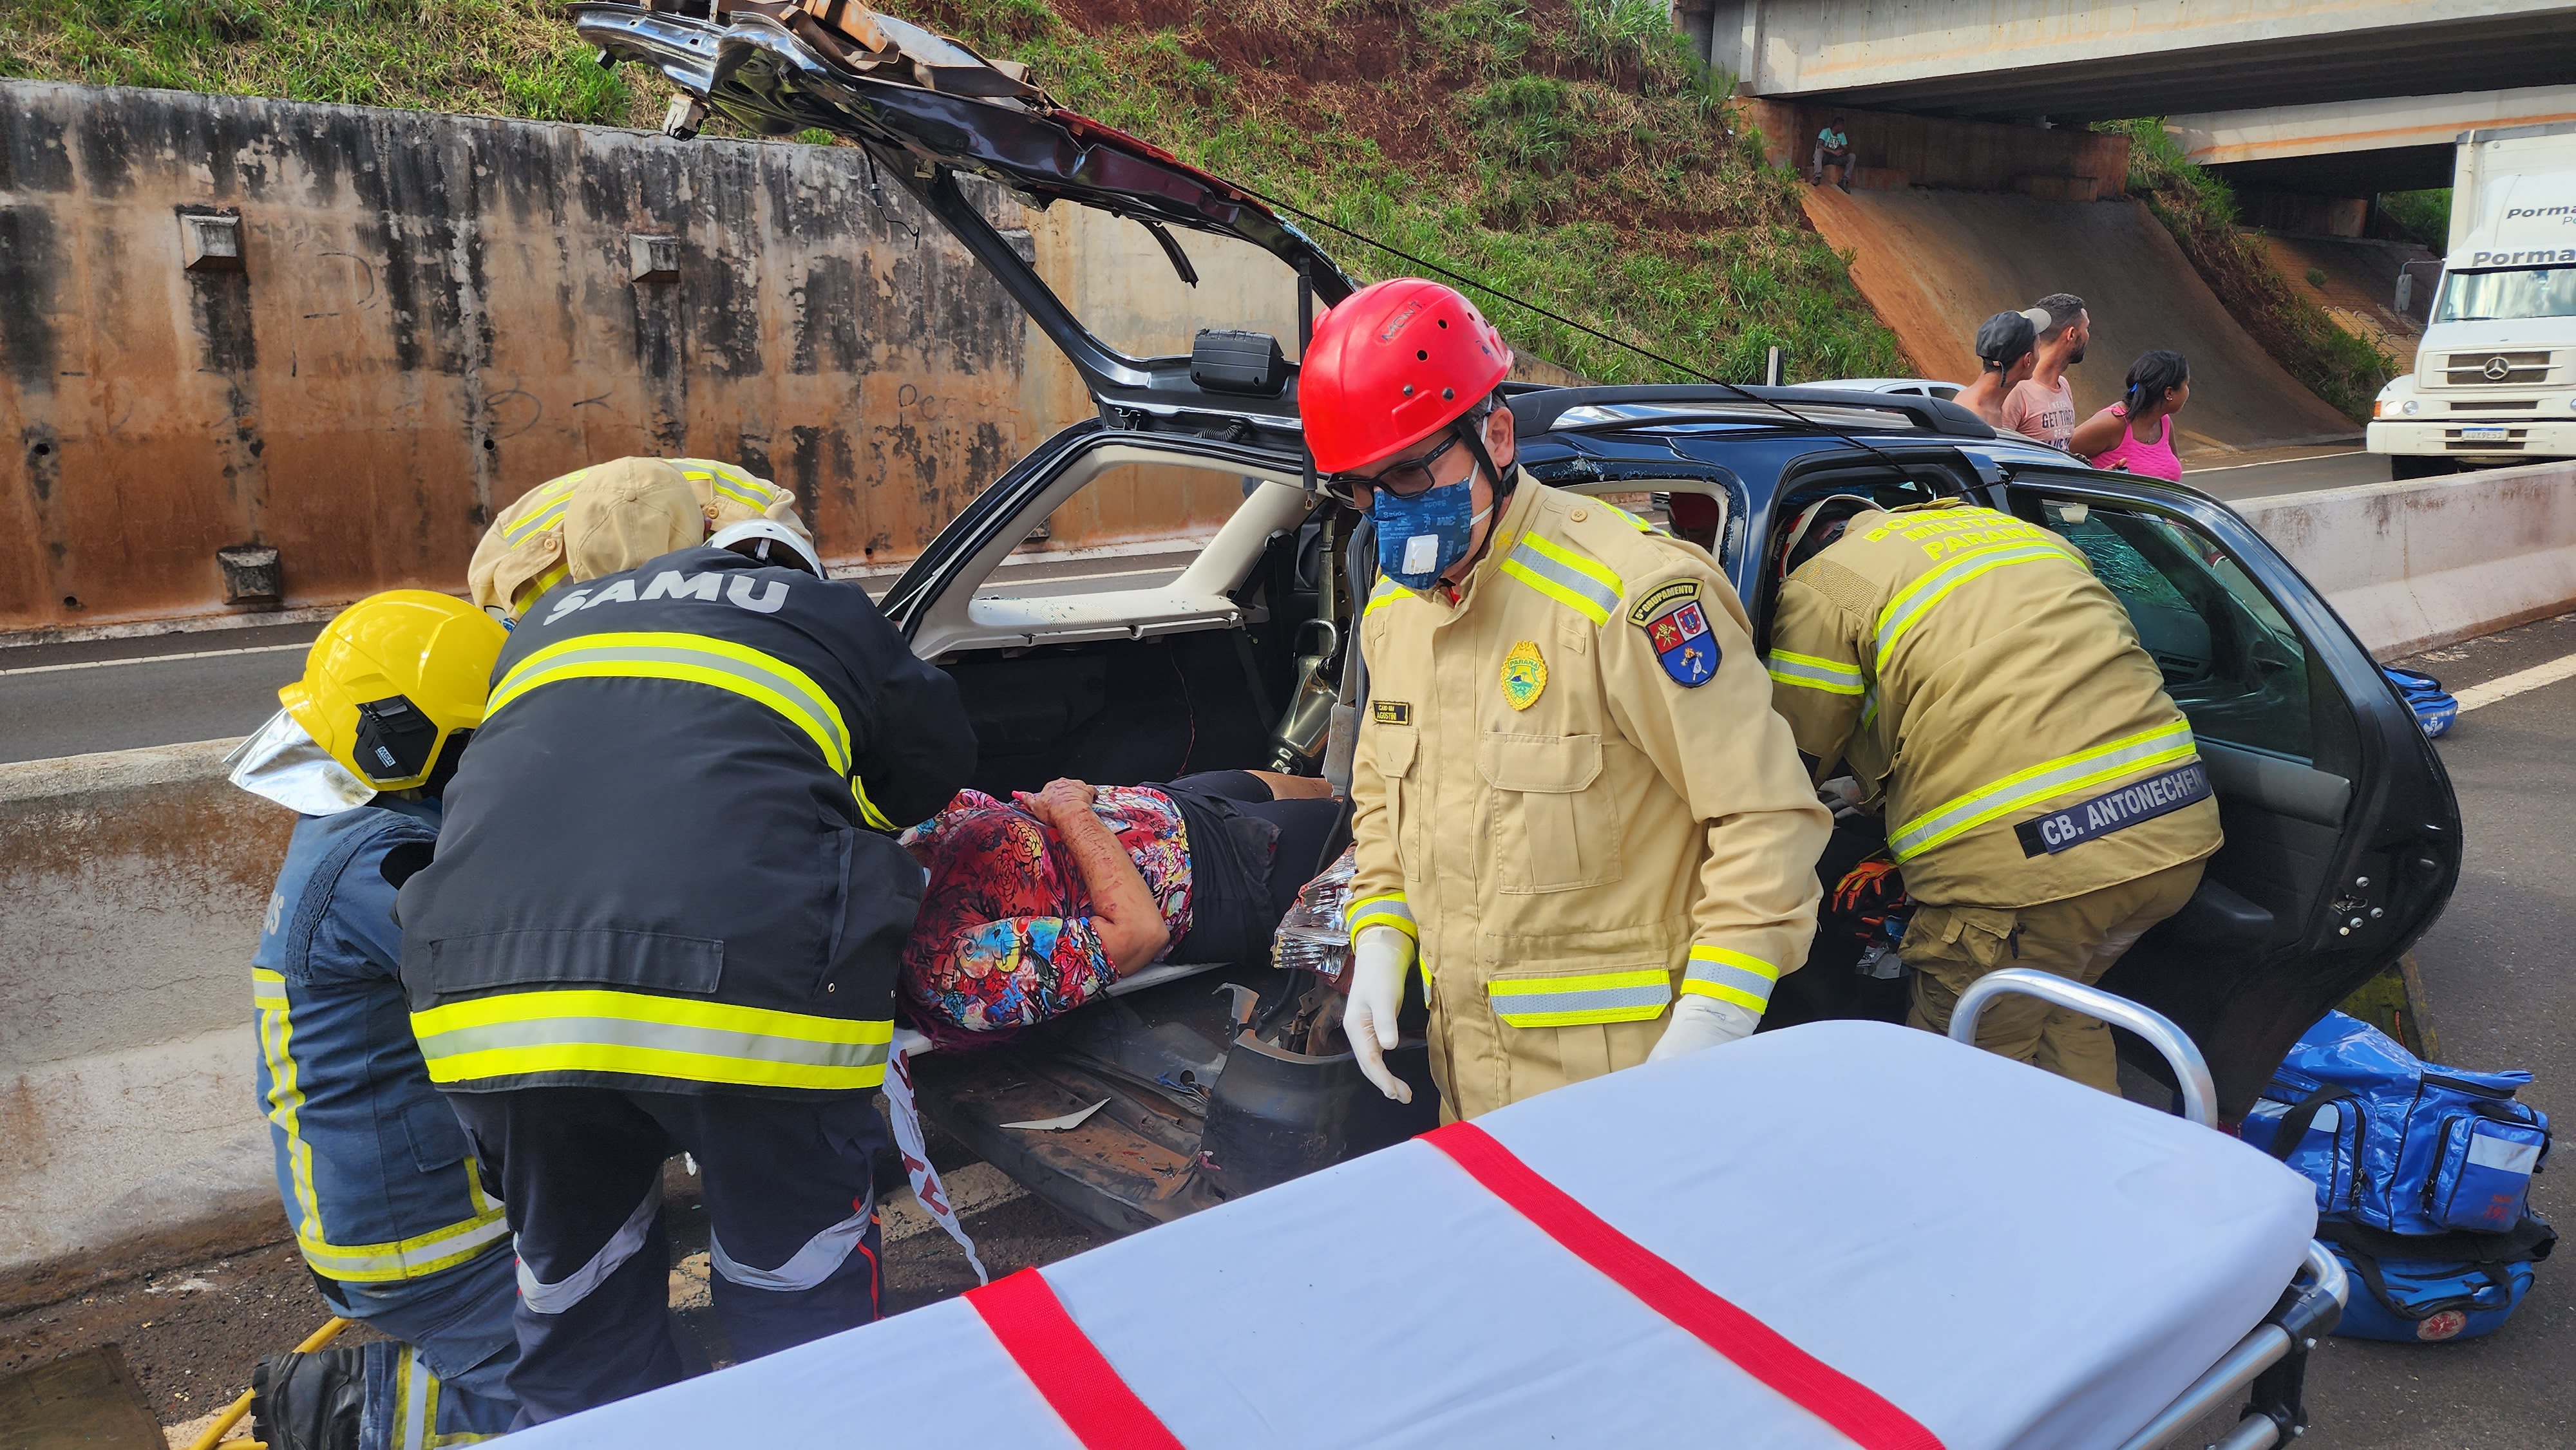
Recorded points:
(1566,151)
(2199,209)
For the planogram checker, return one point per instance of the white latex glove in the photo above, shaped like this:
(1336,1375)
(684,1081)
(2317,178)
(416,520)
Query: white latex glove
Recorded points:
(1379,960)
(1700,1020)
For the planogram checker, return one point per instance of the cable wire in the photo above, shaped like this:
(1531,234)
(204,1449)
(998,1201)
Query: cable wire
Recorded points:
(1561,320)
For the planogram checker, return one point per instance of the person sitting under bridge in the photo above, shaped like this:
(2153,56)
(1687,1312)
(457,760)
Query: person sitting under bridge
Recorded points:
(1034,906)
(1833,148)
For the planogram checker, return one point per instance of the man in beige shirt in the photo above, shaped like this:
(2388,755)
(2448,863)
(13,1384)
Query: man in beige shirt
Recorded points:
(2042,406)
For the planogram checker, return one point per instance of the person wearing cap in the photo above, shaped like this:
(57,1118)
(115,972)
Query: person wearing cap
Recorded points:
(666,913)
(612,516)
(391,1210)
(1573,805)
(2006,353)
(2044,797)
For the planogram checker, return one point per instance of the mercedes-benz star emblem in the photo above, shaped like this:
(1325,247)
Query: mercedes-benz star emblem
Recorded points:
(2496,369)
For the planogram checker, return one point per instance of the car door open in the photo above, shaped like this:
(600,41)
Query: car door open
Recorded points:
(2334,861)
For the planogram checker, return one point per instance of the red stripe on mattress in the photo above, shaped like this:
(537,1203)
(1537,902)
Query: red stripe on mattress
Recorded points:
(1067,1368)
(1754,1347)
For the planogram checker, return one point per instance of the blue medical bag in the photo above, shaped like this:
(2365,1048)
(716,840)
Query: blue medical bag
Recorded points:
(2434,708)
(2423,1177)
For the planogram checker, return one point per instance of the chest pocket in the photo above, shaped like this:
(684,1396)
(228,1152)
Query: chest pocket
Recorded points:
(1555,827)
(1396,746)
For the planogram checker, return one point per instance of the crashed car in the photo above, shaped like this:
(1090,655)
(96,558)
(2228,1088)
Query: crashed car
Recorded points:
(2342,834)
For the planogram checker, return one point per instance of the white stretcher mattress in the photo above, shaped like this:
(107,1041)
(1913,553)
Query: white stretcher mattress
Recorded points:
(2013,1260)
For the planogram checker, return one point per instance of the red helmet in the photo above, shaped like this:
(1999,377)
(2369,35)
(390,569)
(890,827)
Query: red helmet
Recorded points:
(1398,361)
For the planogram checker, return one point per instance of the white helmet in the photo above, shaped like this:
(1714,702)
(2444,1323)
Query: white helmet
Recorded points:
(770,542)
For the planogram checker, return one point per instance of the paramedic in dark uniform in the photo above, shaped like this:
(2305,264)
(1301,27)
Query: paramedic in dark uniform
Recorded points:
(665,913)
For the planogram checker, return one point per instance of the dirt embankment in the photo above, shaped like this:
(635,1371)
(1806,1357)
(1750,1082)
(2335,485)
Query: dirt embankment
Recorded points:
(1935,264)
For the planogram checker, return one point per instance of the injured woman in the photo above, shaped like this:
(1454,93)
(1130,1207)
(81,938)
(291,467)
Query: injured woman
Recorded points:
(1034,906)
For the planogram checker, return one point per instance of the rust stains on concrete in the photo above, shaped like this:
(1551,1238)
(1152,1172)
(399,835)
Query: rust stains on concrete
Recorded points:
(436,313)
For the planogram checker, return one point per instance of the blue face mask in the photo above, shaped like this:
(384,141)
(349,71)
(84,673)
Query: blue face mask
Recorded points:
(1419,538)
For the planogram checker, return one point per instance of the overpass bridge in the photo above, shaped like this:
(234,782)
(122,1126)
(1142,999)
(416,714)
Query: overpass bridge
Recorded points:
(2086,60)
(2358,148)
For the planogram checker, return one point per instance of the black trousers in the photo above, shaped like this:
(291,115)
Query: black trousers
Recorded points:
(787,1186)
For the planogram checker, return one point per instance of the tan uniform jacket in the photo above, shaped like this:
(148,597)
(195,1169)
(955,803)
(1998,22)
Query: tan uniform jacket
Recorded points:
(1568,865)
(1971,666)
(522,554)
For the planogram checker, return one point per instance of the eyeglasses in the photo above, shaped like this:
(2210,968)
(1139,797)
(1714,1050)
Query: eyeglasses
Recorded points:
(1404,480)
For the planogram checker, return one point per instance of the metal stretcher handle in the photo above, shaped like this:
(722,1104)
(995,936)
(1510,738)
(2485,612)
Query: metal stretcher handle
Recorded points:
(2320,1278)
(2191,1070)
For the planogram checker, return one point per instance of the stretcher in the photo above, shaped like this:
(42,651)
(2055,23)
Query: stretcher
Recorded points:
(1836,1234)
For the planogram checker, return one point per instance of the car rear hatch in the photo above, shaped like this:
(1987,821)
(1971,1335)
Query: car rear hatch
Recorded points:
(929,110)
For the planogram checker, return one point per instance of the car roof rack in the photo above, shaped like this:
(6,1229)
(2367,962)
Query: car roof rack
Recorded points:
(1536,409)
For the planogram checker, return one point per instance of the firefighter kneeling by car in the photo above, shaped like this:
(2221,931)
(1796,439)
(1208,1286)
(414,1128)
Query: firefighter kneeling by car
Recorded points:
(2045,799)
(1573,803)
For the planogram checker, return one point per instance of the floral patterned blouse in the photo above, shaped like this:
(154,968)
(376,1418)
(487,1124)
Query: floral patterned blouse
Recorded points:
(1005,936)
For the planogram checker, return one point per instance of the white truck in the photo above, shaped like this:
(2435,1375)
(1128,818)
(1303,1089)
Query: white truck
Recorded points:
(2495,378)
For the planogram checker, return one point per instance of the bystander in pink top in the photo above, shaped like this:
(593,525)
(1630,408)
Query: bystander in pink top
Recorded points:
(2155,460)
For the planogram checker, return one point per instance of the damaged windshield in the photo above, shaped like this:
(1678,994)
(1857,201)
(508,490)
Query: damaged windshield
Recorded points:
(2499,296)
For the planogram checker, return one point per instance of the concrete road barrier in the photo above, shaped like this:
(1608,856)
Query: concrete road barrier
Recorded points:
(131,890)
(2417,564)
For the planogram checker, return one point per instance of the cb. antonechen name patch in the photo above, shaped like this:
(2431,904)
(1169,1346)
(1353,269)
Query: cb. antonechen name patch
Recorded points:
(2117,810)
(1391,712)
(1678,629)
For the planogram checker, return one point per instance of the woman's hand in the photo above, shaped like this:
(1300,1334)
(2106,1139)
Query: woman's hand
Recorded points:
(1061,799)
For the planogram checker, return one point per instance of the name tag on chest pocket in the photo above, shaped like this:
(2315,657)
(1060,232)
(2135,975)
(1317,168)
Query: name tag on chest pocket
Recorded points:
(1554,827)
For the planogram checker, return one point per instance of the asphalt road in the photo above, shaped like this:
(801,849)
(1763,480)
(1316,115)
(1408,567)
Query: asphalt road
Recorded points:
(207,684)
(2287,470)
(2495,975)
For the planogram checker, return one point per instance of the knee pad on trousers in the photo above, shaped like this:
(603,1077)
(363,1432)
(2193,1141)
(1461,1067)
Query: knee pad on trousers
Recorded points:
(313,1401)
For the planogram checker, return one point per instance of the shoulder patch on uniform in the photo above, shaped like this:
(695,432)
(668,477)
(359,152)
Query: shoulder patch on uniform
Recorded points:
(1391,712)
(1662,597)
(1677,628)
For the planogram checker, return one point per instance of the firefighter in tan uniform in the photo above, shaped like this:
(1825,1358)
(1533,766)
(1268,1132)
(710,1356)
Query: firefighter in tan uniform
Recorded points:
(610,517)
(2044,797)
(1573,802)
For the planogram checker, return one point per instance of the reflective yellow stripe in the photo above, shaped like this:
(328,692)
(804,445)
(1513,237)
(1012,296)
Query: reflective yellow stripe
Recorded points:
(1387,910)
(1578,583)
(868,811)
(535,589)
(551,498)
(1810,673)
(1386,593)
(1731,976)
(1642,526)
(1632,996)
(697,659)
(736,486)
(1912,602)
(643,1035)
(409,1258)
(2042,783)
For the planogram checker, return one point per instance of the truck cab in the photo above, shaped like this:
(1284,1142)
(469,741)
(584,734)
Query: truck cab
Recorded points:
(2495,377)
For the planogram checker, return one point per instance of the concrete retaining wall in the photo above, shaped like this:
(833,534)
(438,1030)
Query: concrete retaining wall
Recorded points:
(2413,565)
(132,884)
(433,314)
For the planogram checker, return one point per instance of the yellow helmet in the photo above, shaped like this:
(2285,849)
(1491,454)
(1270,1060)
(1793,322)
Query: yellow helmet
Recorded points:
(392,678)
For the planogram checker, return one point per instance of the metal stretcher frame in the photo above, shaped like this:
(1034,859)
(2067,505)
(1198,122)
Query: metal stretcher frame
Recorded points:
(2271,1360)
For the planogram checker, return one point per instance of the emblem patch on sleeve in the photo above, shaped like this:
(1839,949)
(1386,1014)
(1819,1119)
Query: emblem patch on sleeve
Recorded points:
(1678,631)
(1524,675)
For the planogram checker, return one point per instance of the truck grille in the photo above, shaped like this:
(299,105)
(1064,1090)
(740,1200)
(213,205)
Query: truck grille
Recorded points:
(2495,369)
(2495,405)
